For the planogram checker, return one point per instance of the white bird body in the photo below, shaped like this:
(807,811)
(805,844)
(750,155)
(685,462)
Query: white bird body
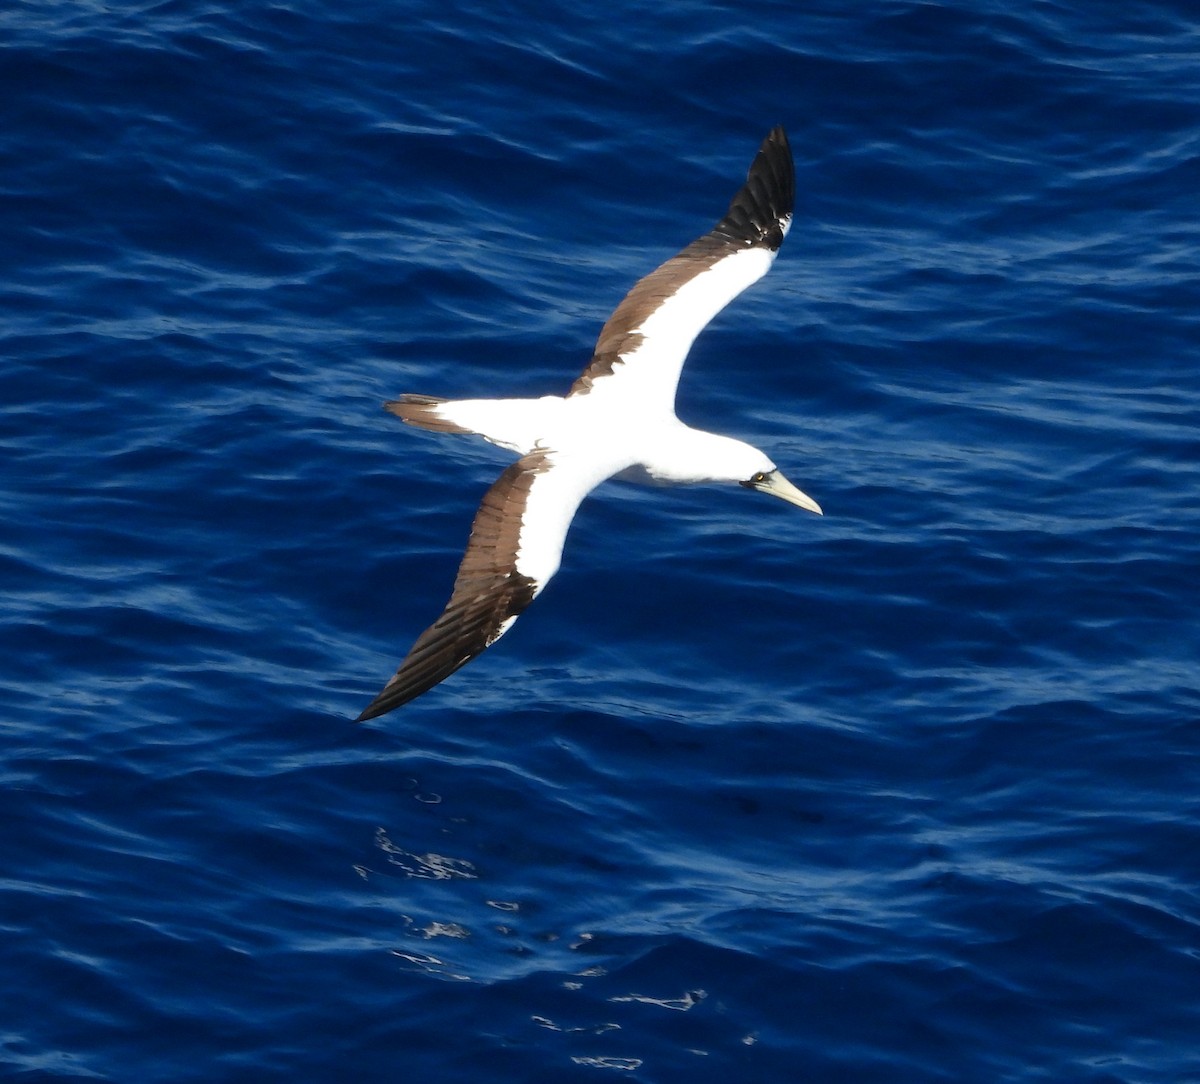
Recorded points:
(618,419)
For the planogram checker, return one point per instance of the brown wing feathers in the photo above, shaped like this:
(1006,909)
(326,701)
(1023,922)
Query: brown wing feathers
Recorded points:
(754,218)
(487,592)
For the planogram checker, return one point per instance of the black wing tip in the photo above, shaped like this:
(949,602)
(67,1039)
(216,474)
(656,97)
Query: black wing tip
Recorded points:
(373,711)
(777,136)
(406,685)
(759,212)
(396,693)
(381,705)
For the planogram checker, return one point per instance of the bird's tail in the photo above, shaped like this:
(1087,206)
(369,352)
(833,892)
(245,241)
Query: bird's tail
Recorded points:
(424,411)
(515,424)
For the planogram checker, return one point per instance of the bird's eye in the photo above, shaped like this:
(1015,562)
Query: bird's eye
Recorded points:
(759,478)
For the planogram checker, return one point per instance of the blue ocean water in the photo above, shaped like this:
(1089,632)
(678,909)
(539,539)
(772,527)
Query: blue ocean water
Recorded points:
(907,793)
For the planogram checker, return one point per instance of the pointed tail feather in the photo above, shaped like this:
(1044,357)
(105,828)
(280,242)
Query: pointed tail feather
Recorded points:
(424,412)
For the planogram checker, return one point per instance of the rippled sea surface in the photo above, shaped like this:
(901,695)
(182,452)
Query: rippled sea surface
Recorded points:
(910,793)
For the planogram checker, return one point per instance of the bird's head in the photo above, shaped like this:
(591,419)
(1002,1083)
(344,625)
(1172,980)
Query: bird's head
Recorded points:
(695,456)
(769,480)
(750,467)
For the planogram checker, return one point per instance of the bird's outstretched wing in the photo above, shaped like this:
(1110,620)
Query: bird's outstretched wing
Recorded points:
(515,547)
(648,336)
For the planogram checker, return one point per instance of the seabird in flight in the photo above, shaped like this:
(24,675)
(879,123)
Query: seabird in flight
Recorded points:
(617,419)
